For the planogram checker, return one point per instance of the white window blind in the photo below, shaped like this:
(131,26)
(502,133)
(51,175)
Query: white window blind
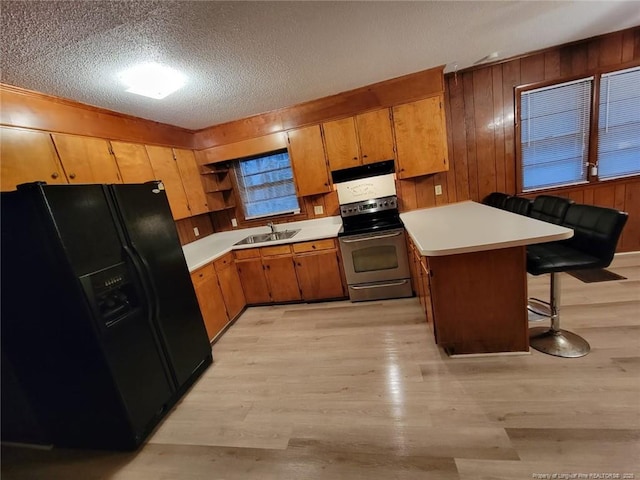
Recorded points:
(619,124)
(554,138)
(265,185)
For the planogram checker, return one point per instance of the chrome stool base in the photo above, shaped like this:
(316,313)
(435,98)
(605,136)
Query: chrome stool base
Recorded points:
(560,343)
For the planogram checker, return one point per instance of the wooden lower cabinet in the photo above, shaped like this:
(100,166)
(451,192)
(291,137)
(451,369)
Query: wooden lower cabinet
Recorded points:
(230,285)
(419,267)
(319,275)
(254,281)
(281,277)
(210,299)
(307,271)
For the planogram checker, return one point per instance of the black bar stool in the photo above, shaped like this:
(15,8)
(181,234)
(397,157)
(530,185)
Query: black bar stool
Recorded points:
(519,205)
(496,199)
(596,231)
(550,208)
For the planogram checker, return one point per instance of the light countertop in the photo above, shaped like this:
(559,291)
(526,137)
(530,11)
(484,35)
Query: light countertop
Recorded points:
(473,227)
(207,249)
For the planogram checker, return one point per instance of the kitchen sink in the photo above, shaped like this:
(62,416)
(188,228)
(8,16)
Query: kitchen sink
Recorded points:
(267,237)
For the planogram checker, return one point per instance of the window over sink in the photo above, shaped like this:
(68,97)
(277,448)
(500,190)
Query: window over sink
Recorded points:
(265,185)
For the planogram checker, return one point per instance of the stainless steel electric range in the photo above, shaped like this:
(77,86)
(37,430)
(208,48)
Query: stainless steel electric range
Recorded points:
(372,238)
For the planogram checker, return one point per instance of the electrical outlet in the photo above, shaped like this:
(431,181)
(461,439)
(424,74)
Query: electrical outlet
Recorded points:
(438,189)
(234,222)
(318,210)
(196,232)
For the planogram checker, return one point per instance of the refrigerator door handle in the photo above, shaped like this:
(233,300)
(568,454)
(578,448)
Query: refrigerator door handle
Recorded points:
(150,297)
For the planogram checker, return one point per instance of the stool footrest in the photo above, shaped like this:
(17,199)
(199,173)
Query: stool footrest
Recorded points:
(560,343)
(539,307)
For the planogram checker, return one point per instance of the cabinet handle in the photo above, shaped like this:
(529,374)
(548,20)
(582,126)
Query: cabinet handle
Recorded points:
(313,246)
(355,158)
(54,175)
(72,176)
(364,156)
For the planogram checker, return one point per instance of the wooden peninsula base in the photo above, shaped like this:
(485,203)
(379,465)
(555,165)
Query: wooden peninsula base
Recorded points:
(478,301)
(469,266)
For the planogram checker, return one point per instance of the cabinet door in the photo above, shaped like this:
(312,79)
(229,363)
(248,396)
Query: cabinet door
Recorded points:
(205,283)
(232,292)
(86,159)
(282,279)
(319,275)
(421,138)
(191,181)
(375,136)
(254,282)
(133,162)
(306,151)
(341,141)
(165,169)
(28,156)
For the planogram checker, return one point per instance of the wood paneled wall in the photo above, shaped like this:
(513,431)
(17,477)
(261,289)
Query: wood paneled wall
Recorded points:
(480,127)
(37,111)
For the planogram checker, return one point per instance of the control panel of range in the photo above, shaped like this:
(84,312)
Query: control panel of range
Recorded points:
(373,205)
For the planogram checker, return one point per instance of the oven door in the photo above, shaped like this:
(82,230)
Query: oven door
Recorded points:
(375,257)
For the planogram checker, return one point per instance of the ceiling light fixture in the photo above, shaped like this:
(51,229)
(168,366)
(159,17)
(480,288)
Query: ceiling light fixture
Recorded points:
(152,80)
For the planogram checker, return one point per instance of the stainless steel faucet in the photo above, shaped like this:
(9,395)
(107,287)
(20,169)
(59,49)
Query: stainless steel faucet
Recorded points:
(272,227)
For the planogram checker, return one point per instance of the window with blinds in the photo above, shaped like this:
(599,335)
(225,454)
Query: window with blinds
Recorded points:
(554,134)
(265,185)
(619,124)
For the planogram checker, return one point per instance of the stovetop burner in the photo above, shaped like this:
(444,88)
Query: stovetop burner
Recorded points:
(369,216)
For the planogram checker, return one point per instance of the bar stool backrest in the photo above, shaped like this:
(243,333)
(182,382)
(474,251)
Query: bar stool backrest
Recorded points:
(550,208)
(519,205)
(496,199)
(596,231)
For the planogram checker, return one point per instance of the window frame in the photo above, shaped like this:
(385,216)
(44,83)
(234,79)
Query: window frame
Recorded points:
(241,207)
(592,157)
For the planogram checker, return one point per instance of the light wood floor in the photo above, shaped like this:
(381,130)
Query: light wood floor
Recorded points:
(360,391)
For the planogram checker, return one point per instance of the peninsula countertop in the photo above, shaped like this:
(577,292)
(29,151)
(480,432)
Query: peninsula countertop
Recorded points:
(207,249)
(473,227)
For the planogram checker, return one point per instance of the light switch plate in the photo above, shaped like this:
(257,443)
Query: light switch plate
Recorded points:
(438,189)
(234,222)
(196,231)
(318,210)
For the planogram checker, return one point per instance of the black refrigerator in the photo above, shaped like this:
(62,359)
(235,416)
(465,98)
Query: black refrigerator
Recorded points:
(99,320)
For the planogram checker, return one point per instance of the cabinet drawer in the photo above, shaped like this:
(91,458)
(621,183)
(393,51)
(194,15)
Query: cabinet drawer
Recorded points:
(247,253)
(200,275)
(325,244)
(223,262)
(275,250)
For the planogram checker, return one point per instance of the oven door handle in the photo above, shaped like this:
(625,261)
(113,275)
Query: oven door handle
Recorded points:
(379,285)
(389,235)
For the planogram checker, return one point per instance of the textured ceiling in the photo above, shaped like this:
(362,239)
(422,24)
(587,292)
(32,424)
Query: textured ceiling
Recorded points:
(245,58)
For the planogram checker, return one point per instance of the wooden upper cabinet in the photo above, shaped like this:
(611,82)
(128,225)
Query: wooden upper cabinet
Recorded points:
(191,181)
(28,156)
(341,141)
(375,135)
(306,151)
(86,159)
(365,138)
(165,169)
(133,162)
(421,137)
